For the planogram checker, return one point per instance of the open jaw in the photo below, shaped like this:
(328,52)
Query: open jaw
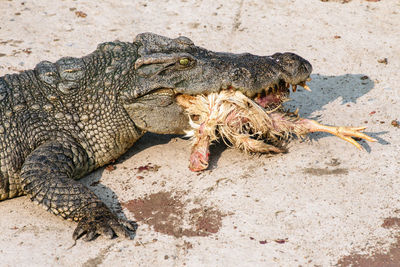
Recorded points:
(255,124)
(270,97)
(274,95)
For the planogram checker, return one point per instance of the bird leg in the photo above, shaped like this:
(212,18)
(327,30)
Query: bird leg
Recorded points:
(344,132)
(304,126)
(200,154)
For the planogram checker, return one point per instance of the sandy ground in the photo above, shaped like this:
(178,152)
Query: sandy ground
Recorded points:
(324,203)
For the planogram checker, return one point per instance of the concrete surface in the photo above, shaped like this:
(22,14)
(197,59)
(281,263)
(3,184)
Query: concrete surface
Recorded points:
(322,204)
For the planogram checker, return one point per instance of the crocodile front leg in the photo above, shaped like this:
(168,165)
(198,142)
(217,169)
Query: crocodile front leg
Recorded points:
(47,177)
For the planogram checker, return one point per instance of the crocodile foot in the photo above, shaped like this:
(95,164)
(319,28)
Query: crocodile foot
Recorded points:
(104,222)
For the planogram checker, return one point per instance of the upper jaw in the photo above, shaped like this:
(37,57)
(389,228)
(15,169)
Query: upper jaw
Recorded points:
(269,97)
(272,95)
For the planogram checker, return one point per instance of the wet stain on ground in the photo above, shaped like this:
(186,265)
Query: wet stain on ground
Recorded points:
(377,258)
(167,213)
(391,222)
(325,171)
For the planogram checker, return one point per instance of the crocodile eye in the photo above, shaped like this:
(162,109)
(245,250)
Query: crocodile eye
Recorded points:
(184,61)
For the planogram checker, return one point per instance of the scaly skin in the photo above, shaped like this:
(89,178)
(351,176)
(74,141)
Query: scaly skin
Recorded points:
(59,122)
(62,120)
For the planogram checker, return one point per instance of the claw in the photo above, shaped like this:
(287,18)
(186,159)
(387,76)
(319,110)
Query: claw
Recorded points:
(78,233)
(294,88)
(120,229)
(101,221)
(343,132)
(107,232)
(91,234)
(130,225)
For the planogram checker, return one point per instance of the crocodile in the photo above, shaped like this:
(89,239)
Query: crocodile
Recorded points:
(62,120)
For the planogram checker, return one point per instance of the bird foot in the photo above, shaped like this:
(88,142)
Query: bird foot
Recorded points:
(346,133)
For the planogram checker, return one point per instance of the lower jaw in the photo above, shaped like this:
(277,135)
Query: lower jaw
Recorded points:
(271,101)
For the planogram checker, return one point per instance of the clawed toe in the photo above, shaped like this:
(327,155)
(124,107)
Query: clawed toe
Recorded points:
(109,225)
(124,228)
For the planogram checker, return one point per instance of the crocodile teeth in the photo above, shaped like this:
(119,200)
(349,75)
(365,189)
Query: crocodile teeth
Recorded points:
(305,86)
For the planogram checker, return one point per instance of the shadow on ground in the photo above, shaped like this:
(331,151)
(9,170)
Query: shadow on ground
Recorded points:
(325,89)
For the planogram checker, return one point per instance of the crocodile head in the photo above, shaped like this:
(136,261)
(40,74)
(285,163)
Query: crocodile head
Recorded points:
(168,67)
